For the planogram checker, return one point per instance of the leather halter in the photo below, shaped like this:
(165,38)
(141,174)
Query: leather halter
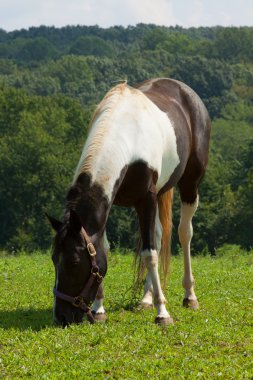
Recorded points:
(83,299)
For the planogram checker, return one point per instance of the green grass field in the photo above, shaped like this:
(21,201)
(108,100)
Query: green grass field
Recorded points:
(215,342)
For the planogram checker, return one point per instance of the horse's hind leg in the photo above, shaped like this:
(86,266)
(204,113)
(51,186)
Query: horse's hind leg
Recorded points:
(189,205)
(147,300)
(185,232)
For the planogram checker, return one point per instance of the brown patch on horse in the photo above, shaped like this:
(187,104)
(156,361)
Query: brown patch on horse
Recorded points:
(90,202)
(192,132)
(165,215)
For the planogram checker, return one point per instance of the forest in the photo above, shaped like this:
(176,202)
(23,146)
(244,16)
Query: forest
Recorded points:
(51,80)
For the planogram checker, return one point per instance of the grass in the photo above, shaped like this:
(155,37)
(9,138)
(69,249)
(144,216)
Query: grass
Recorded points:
(212,343)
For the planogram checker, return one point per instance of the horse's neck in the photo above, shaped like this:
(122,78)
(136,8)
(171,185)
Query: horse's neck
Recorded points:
(105,153)
(105,165)
(90,203)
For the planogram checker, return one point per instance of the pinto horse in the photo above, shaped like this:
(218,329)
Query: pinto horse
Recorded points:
(142,141)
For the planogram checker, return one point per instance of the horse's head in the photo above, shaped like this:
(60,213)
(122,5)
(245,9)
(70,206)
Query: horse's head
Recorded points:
(80,265)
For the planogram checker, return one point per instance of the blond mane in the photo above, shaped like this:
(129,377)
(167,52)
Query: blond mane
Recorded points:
(100,126)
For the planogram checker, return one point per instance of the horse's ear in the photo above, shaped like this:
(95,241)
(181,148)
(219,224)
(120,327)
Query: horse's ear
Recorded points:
(56,224)
(74,221)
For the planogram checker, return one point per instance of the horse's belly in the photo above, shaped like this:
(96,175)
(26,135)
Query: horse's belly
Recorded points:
(139,177)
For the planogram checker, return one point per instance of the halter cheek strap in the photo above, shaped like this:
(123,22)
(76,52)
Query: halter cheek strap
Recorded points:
(91,287)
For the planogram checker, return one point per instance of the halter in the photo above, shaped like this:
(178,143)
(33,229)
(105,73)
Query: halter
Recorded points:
(95,279)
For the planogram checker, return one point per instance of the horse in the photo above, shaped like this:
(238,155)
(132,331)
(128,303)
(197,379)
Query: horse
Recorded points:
(142,142)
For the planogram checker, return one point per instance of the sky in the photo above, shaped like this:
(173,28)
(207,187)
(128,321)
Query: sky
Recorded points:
(17,14)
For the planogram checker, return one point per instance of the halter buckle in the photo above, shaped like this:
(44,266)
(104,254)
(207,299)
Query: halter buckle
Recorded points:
(99,278)
(78,301)
(91,249)
(95,272)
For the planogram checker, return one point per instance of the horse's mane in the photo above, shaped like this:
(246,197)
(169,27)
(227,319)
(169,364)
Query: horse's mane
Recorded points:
(106,106)
(99,124)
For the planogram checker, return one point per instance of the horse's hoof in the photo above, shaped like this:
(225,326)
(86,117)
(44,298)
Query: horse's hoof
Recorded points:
(99,317)
(145,306)
(162,321)
(191,304)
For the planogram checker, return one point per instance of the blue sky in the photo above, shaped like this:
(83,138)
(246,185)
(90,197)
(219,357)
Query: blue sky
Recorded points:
(17,14)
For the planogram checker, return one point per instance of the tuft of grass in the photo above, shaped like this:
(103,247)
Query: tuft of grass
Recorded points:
(214,342)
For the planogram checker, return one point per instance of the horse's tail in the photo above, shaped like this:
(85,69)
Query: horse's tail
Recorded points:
(165,215)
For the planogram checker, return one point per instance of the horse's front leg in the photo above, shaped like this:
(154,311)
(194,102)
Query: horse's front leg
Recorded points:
(146,210)
(147,300)
(97,306)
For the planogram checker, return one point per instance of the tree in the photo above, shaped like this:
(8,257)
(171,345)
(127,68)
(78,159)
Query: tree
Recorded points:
(234,44)
(91,45)
(40,143)
(38,49)
(211,79)
(242,223)
(42,130)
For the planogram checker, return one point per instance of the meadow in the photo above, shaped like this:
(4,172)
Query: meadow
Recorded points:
(215,342)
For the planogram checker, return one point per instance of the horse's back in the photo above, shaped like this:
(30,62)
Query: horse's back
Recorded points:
(167,93)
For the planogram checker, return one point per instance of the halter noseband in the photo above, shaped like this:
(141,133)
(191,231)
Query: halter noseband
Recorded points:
(95,279)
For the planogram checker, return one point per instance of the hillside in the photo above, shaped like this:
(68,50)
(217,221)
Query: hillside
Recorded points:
(50,81)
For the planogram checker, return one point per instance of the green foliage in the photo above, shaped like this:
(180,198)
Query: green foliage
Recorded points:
(92,46)
(225,196)
(38,49)
(234,44)
(214,342)
(39,146)
(28,51)
(211,79)
(122,227)
(52,78)
(230,250)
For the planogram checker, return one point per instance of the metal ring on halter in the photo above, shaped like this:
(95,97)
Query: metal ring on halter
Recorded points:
(91,249)
(78,301)
(95,272)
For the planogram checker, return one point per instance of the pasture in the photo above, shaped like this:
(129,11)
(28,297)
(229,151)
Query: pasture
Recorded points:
(215,342)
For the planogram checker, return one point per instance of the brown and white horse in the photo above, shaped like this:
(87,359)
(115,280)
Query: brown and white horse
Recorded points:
(142,142)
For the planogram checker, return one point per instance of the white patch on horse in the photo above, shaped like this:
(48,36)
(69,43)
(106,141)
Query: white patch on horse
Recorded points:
(98,307)
(148,287)
(106,243)
(151,260)
(185,232)
(128,127)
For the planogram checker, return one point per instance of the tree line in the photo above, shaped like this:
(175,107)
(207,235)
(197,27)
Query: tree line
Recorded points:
(52,78)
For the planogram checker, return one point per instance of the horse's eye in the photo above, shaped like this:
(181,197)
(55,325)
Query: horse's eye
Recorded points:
(80,249)
(74,263)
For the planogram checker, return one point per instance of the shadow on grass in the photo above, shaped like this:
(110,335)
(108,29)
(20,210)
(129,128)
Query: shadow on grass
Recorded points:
(26,319)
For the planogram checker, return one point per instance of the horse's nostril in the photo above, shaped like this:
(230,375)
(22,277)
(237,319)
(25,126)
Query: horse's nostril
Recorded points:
(66,317)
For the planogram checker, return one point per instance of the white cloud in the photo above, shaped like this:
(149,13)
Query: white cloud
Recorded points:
(149,11)
(15,14)
(197,15)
